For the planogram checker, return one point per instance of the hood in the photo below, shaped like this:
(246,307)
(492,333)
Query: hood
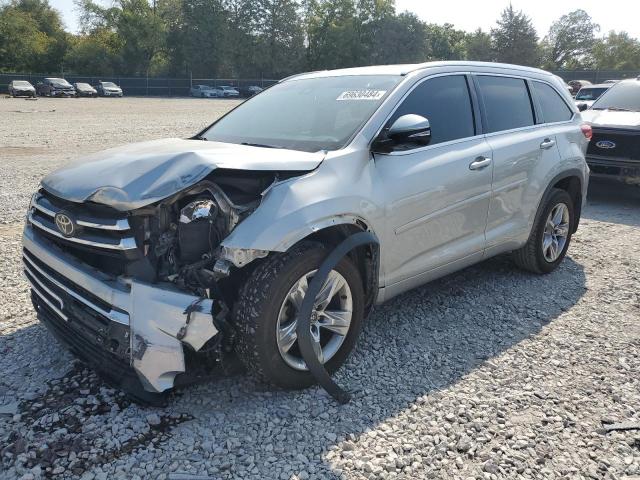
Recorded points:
(612,119)
(139,174)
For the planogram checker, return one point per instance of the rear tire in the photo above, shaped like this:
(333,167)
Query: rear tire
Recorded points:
(260,304)
(537,255)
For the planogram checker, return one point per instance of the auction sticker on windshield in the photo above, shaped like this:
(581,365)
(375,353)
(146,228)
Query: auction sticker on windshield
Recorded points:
(362,95)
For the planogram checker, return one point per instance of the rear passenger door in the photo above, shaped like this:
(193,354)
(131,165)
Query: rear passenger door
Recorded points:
(521,147)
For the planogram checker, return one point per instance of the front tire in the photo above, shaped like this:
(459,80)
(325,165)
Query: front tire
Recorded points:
(551,235)
(265,315)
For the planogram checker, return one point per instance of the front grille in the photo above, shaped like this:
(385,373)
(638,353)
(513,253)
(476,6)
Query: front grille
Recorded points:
(102,237)
(89,317)
(624,144)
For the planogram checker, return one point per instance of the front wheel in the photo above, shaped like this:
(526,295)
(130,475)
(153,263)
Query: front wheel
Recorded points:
(267,309)
(551,235)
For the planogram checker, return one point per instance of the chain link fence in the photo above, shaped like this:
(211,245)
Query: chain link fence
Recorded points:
(142,86)
(596,76)
(177,87)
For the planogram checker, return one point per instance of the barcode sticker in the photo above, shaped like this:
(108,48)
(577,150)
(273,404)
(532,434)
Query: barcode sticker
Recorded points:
(362,95)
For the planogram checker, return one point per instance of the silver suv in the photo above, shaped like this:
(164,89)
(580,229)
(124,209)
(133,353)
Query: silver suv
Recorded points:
(160,259)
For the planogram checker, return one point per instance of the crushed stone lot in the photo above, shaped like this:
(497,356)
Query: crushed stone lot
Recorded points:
(488,373)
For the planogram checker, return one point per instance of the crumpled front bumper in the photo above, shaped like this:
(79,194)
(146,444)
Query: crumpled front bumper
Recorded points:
(143,325)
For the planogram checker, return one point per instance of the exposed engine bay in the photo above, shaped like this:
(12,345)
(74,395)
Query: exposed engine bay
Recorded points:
(182,234)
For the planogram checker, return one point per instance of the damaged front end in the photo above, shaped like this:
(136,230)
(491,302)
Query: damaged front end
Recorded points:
(142,294)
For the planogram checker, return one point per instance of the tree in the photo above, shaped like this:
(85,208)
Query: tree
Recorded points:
(134,31)
(445,42)
(31,37)
(514,40)
(617,51)
(478,46)
(332,36)
(570,41)
(399,39)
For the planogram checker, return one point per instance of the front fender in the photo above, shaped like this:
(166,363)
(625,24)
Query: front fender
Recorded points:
(296,208)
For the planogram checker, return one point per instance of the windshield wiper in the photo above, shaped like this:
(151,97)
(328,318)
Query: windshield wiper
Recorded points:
(262,145)
(619,109)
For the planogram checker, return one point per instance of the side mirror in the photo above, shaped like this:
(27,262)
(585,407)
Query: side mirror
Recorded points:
(582,107)
(407,129)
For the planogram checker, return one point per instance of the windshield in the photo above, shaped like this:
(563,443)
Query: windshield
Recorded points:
(590,93)
(82,85)
(624,96)
(306,114)
(109,84)
(21,83)
(59,81)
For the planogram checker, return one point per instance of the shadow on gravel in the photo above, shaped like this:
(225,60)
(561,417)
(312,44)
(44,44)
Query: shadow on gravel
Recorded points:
(613,201)
(410,349)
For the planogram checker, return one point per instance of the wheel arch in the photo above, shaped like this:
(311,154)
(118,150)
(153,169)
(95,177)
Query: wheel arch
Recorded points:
(365,257)
(572,182)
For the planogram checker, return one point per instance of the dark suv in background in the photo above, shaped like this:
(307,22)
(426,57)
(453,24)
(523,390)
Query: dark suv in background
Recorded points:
(614,151)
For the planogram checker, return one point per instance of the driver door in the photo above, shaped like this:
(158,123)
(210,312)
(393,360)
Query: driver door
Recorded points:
(437,196)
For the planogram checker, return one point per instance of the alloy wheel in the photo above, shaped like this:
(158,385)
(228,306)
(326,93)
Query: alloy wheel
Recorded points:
(330,319)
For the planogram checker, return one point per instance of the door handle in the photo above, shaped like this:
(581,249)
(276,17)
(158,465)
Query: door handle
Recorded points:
(547,143)
(480,163)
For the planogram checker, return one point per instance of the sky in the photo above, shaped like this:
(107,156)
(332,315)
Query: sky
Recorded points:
(471,14)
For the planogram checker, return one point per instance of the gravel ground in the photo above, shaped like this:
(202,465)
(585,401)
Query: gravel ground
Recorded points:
(488,373)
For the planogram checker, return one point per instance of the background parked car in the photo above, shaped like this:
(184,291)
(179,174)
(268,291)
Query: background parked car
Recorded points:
(589,94)
(576,85)
(226,91)
(21,88)
(203,91)
(250,91)
(611,81)
(85,90)
(55,87)
(108,89)
(614,150)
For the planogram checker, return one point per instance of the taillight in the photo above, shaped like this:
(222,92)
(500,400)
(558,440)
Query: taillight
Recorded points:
(586,131)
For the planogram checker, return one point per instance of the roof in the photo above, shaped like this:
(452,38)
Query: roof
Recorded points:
(404,69)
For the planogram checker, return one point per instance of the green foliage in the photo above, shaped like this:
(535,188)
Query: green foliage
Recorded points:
(31,37)
(617,51)
(570,41)
(514,39)
(275,38)
(478,46)
(445,42)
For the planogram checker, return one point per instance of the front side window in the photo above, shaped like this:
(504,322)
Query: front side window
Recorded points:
(446,103)
(308,114)
(554,109)
(507,103)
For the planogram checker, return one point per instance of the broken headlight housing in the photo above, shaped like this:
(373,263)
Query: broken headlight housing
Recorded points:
(197,231)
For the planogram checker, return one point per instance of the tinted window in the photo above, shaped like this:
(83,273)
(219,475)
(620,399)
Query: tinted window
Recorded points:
(553,107)
(446,103)
(507,103)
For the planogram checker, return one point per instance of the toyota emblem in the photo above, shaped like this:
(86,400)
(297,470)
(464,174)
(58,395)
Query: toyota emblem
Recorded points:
(65,224)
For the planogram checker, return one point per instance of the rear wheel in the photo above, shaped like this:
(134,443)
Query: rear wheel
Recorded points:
(551,235)
(266,316)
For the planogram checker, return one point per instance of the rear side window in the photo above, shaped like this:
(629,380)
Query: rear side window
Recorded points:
(446,103)
(554,109)
(507,103)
